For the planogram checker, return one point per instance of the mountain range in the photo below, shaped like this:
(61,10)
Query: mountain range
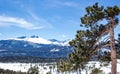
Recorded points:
(34,46)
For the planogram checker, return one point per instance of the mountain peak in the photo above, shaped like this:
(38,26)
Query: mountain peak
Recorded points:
(22,37)
(39,40)
(34,36)
(54,40)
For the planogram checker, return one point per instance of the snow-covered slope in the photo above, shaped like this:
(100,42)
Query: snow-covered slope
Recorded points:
(34,46)
(36,39)
(45,67)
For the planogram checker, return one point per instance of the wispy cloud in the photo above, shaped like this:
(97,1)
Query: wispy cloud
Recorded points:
(70,4)
(59,3)
(0,33)
(43,22)
(29,8)
(64,36)
(19,22)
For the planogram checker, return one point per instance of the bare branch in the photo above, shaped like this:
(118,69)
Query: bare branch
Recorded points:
(92,52)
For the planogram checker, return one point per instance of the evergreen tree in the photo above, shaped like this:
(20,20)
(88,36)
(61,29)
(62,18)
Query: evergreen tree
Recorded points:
(94,15)
(87,41)
(33,70)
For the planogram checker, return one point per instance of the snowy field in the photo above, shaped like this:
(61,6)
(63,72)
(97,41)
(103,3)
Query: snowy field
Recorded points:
(50,67)
(23,67)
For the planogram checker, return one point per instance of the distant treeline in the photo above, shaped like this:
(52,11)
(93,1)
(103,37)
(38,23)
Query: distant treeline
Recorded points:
(2,71)
(28,59)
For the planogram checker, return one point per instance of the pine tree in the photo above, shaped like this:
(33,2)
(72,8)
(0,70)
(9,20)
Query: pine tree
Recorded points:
(94,15)
(33,70)
(87,41)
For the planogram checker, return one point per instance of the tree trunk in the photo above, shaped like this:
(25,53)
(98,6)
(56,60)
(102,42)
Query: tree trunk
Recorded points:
(113,50)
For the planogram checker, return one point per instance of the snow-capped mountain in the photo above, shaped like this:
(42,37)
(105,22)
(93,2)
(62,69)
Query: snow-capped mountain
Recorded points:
(36,39)
(34,46)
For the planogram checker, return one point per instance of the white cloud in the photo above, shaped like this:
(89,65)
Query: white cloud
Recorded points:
(64,36)
(71,4)
(0,33)
(41,21)
(58,3)
(19,22)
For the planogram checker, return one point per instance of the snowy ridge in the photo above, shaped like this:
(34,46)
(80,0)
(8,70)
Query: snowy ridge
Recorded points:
(39,45)
(36,39)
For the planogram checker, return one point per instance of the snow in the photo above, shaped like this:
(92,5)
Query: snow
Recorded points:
(15,66)
(23,67)
(54,50)
(41,41)
(2,50)
(105,50)
(45,67)
(34,40)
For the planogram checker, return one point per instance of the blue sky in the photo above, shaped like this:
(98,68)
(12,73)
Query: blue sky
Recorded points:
(49,19)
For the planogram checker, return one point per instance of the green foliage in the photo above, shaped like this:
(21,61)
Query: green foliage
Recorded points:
(106,57)
(119,39)
(94,14)
(64,66)
(2,71)
(87,41)
(49,72)
(118,44)
(97,13)
(112,11)
(33,70)
(96,71)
